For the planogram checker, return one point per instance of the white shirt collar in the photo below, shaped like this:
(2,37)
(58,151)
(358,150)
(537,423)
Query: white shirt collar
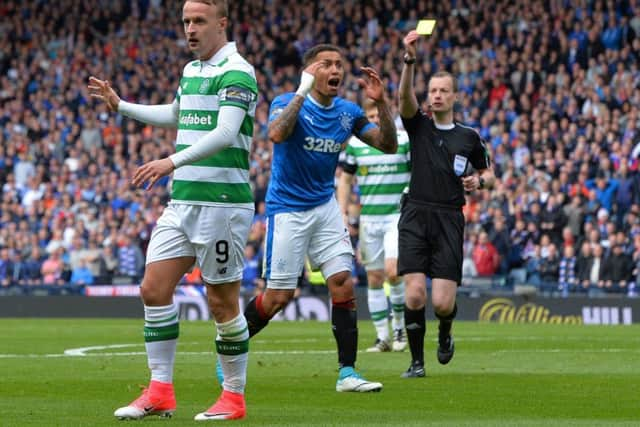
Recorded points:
(444,127)
(325,107)
(226,50)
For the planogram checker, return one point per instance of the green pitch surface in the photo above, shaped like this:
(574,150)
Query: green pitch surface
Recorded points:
(76,372)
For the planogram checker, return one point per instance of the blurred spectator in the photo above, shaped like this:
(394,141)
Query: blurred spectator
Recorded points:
(584,265)
(596,282)
(548,268)
(32,267)
(567,279)
(468,266)
(533,267)
(130,259)
(485,256)
(552,220)
(23,170)
(605,189)
(5,267)
(574,212)
(92,256)
(518,238)
(81,274)
(567,238)
(52,268)
(108,265)
(251,274)
(617,270)
(499,237)
(635,259)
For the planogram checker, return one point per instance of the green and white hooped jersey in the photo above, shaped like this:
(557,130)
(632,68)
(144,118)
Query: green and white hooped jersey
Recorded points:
(222,179)
(381,177)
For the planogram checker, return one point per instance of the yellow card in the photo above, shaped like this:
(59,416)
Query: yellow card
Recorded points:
(425,27)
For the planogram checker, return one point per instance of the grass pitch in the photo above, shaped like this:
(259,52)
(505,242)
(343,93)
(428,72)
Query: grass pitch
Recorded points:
(76,372)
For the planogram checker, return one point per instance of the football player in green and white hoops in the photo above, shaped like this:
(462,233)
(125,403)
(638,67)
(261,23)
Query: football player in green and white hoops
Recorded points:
(208,218)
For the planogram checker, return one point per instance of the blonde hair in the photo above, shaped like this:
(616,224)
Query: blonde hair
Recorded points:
(221,5)
(454,81)
(368,104)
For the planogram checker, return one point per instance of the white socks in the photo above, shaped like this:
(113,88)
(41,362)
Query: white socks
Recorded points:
(161,330)
(397,305)
(379,309)
(232,345)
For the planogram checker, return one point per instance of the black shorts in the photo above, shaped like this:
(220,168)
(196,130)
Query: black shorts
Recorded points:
(430,240)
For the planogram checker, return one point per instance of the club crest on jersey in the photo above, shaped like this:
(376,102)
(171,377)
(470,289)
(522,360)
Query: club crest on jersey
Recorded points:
(204,86)
(346,121)
(363,171)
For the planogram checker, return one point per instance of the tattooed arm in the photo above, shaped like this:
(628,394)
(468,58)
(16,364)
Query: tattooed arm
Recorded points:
(385,137)
(281,127)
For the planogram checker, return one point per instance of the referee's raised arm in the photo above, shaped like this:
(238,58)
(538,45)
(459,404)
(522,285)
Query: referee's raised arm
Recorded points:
(408,103)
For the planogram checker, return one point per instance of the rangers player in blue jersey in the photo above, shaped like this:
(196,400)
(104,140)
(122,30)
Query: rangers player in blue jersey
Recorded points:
(309,128)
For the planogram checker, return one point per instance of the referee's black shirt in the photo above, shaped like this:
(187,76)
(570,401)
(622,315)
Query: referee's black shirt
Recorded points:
(433,152)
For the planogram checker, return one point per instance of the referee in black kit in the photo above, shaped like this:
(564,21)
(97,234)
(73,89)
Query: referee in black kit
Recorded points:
(431,224)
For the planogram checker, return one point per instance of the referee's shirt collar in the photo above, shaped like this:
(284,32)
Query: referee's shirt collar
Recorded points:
(444,127)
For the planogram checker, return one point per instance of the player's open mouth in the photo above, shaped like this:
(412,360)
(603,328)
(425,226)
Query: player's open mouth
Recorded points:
(333,83)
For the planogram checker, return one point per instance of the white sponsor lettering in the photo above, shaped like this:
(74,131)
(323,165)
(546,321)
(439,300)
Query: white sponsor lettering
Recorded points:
(192,119)
(606,316)
(322,145)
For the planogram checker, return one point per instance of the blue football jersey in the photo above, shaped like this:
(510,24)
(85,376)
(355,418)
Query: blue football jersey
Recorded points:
(304,165)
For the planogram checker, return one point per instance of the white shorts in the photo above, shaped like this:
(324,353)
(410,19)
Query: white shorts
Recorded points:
(318,233)
(378,241)
(215,236)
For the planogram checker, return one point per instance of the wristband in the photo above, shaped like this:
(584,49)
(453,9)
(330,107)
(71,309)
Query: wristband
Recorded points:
(306,83)
(409,60)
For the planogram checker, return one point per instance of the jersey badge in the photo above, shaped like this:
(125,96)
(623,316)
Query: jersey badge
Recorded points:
(204,86)
(346,121)
(460,165)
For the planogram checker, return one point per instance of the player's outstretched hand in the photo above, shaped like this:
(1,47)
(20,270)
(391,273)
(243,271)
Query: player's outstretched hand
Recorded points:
(102,90)
(152,172)
(409,42)
(372,84)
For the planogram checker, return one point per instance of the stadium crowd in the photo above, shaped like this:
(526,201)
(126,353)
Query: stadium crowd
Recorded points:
(552,86)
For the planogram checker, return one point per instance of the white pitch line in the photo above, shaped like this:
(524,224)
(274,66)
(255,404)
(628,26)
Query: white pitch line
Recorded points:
(142,353)
(573,350)
(74,353)
(83,350)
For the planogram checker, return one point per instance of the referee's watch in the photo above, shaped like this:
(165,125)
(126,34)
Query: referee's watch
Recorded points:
(408,59)
(480,183)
